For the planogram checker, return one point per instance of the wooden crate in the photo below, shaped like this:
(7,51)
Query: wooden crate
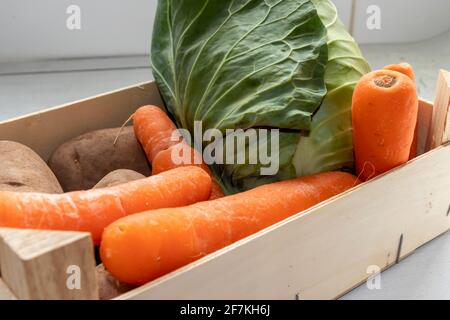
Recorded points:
(321,253)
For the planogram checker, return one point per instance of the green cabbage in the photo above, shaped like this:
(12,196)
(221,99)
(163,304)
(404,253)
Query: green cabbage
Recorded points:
(240,64)
(286,64)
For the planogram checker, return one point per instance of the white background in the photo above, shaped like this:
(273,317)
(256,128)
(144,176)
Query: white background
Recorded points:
(36,29)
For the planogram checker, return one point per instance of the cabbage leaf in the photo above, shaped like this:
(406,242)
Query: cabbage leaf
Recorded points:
(240,63)
(329,145)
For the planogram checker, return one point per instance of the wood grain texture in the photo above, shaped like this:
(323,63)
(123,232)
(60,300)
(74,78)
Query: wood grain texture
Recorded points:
(5,293)
(424,275)
(440,125)
(41,265)
(446,134)
(326,251)
(424,119)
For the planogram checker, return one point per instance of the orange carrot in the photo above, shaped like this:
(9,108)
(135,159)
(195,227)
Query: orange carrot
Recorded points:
(165,161)
(154,130)
(178,155)
(216,191)
(407,70)
(93,210)
(404,68)
(142,247)
(384,112)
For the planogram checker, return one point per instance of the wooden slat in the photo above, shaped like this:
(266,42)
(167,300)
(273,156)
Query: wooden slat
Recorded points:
(324,252)
(45,131)
(424,119)
(45,265)
(440,126)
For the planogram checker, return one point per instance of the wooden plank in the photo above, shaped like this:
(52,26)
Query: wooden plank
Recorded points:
(325,251)
(424,118)
(440,126)
(46,130)
(46,265)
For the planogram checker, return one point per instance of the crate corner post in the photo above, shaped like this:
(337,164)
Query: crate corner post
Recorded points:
(47,265)
(439,133)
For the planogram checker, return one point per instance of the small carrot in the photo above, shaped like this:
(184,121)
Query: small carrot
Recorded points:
(93,210)
(384,113)
(178,155)
(142,247)
(407,70)
(154,129)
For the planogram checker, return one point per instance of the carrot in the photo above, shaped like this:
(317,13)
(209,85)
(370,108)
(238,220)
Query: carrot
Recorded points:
(93,210)
(165,161)
(407,70)
(404,68)
(384,112)
(216,191)
(154,130)
(142,247)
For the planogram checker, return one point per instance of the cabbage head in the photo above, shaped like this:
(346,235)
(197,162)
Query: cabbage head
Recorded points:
(243,64)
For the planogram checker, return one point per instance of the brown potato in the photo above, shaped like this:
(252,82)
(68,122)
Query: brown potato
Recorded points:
(118,177)
(109,287)
(82,162)
(23,170)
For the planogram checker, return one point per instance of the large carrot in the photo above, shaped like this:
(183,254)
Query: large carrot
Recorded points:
(142,247)
(154,129)
(407,70)
(93,210)
(384,112)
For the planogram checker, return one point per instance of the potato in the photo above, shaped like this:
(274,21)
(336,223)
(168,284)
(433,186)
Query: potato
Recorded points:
(82,162)
(22,170)
(108,287)
(118,177)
